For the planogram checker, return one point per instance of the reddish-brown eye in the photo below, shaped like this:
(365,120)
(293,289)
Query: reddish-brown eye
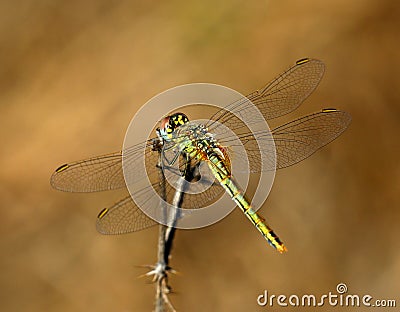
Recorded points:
(164,123)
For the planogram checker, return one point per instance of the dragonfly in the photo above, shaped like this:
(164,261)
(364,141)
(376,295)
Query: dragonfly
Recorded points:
(197,144)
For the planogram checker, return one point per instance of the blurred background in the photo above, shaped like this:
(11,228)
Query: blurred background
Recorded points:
(73,74)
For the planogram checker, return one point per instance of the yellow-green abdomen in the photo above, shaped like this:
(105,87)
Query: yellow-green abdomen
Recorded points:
(238,197)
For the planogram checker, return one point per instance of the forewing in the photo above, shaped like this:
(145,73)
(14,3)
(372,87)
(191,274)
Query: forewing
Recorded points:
(281,96)
(104,172)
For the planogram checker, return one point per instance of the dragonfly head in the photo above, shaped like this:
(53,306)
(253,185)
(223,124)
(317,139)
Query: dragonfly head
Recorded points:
(170,123)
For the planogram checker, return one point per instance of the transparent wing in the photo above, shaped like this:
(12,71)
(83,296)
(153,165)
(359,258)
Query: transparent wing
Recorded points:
(123,217)
(104,172)
(281,96)
(295,140)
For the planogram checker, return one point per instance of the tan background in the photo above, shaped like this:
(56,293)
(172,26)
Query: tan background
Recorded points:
(71,77)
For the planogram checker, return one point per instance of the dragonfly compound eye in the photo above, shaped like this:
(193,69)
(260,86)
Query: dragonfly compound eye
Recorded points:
(170,123)
(177,120)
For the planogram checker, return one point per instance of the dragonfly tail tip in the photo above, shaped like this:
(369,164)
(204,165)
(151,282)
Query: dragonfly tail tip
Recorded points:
(282,249)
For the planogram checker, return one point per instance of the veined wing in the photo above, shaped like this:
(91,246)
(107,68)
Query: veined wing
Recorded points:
(294,141)
(104,172)
(281,96)
(125,216)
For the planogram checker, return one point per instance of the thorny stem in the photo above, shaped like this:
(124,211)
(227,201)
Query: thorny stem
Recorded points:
(165,239)
(161,276)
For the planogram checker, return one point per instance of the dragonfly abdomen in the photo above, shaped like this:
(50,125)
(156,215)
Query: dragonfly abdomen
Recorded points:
(265,230)
(217,167)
